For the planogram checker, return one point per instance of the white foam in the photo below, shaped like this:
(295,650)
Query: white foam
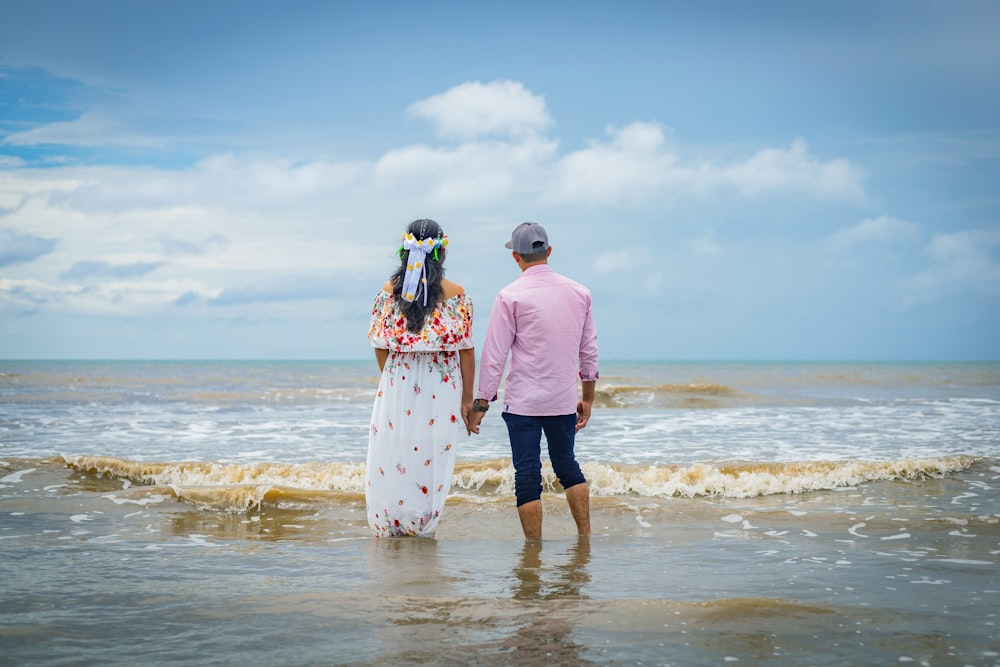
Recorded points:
(150,500)
(15,477)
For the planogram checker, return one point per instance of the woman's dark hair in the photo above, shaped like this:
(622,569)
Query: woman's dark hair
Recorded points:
(415,311)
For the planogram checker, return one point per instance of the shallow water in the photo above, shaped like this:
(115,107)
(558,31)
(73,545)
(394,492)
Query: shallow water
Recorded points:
(212,514)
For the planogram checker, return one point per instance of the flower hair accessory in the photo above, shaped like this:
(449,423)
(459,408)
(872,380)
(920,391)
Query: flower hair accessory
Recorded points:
(416,272)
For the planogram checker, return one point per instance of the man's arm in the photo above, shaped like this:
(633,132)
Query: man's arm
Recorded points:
(585,404)
(588,369)
(588,347)
(499,337)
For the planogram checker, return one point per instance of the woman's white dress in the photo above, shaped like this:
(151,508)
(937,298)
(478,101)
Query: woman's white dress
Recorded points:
(417,416)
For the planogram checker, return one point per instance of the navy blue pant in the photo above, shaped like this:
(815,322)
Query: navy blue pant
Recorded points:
(526,450)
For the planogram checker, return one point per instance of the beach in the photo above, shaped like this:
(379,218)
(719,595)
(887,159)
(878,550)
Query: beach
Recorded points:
(792,513)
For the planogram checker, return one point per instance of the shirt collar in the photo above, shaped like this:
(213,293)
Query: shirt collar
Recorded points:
(538,268)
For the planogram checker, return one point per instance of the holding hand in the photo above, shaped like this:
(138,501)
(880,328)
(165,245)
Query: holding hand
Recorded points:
(477,410)
(467,417)
(475,419)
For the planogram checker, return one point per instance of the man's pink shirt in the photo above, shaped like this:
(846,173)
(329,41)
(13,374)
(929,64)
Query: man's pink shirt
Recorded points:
(543,321)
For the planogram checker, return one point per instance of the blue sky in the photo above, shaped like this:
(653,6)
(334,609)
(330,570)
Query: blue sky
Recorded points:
(733,180)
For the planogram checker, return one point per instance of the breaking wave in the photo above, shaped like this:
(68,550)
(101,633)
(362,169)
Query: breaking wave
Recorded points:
(241,487)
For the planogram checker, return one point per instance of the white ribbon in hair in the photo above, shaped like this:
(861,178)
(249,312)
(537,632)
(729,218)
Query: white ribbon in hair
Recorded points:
(416,272)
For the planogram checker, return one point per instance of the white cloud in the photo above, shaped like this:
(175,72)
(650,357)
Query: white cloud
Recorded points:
(632,164)
(475,109)
(480,173)
(652,283)
(243,230)
(90,129)
(624,259)
(883,229)
(792,169)
(960,262)
(631,263)
(636,165)
(706,245)
(16,248)
(111,297)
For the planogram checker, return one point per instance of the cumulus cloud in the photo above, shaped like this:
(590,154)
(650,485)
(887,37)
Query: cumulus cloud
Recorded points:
(792,169)
(16,248)
(235,230)
(475,109)
(636,164)
(883,229)
(631,164)
(478,173)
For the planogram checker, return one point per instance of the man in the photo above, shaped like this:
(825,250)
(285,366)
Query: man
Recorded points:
(543,322)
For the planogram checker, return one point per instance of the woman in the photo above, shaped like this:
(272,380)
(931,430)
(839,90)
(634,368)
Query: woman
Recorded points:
(421,330)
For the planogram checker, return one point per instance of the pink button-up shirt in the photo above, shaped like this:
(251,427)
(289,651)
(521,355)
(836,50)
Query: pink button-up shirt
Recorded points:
(543,321)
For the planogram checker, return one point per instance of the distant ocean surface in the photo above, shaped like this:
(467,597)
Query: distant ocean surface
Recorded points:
(794,513)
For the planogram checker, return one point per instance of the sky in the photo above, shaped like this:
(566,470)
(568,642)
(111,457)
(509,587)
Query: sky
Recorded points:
(732,180)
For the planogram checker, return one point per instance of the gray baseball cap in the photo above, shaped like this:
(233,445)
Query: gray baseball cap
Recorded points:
(528,238)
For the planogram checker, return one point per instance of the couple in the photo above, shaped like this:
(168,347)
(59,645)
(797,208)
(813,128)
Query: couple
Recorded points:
(421,329)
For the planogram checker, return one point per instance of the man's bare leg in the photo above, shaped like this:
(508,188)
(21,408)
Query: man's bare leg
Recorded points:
(578,497)
(531,519)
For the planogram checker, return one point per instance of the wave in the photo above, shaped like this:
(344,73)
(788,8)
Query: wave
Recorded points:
(241,487)
(227,397)
(667,395)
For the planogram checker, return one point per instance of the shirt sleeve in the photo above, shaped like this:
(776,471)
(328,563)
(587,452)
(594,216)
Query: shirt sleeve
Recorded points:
(499,338)
(588,347)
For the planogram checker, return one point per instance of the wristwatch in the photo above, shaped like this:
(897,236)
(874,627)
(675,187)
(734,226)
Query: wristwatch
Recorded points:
(480,405)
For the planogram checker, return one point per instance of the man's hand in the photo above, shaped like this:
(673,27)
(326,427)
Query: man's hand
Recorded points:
(582,414)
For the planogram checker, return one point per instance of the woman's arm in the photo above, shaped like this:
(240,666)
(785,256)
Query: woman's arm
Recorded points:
(380,356)
(467,362)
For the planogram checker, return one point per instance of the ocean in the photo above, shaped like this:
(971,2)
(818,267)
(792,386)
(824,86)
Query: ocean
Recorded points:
(787,513)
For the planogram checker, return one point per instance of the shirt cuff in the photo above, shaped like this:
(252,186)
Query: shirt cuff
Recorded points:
(589,378)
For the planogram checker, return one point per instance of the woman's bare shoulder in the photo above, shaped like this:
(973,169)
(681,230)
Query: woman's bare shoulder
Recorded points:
(450,288)
(387,287)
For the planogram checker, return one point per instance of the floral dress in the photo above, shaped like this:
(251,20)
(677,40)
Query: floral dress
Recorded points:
(416,417)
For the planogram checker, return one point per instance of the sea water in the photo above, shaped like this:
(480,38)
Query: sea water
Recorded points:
(213,513)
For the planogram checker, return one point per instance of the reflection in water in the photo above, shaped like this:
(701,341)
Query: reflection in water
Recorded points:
(549,589)
(408,567)
(274,525)
(535,581)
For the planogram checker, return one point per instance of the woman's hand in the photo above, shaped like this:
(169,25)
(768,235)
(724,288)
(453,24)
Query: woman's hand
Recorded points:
(471,418)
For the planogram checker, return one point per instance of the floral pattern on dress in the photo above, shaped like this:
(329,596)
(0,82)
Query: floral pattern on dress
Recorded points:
(416,416)
(447,327)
